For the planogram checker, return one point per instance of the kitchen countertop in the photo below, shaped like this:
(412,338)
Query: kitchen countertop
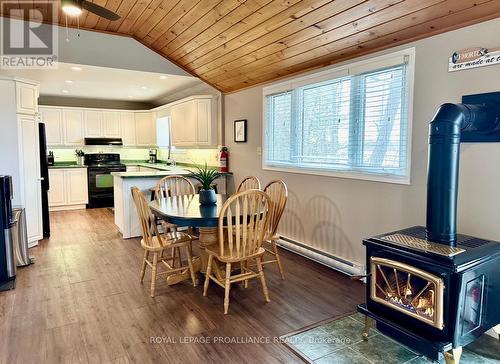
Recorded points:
(161,170)
(58,165)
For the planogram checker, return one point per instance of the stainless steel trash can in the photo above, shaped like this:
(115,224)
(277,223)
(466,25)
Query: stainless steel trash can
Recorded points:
(20,237)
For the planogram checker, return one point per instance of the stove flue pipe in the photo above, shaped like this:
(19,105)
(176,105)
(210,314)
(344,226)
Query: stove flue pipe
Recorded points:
(450,121)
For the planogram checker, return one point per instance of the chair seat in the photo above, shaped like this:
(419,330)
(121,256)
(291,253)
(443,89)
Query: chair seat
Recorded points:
(170,239)
(214,249)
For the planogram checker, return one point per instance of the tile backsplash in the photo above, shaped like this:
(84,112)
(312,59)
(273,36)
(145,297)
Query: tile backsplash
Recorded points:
(192,156)
(196,156)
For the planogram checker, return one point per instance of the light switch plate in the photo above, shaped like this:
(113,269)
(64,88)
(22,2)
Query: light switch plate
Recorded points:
(259,151)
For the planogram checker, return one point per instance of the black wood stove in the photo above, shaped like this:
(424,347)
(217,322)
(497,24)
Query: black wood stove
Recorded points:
(428,287)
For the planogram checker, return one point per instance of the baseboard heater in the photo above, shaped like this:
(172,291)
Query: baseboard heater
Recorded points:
(351,268)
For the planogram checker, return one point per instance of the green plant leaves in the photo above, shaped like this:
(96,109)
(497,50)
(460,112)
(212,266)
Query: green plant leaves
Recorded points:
(206,176)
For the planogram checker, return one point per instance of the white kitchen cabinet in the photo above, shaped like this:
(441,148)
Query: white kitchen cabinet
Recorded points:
(194,122)
(73,126)
(145,130)
(26,98)
(93,123)
(127,121)
(111,124)
(76,186)
(30,174)
(52,118)
(133,168)
(57,191)
(183,124)
(68,188)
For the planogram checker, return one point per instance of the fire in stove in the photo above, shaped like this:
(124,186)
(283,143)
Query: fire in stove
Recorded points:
(407,289)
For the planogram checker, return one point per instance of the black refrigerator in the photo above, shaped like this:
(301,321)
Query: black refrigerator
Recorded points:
(44,173)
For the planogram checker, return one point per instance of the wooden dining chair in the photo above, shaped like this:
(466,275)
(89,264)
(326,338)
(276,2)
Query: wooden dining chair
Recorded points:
(171,186)
(156,244)
(245,214)
(249,183)
(278,193)
(174,185)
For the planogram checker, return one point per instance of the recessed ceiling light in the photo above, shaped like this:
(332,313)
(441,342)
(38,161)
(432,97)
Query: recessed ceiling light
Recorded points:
(71,8)
(163,77)
(65,91)
(68,81)
(130,96)
(144,87)
(75,68)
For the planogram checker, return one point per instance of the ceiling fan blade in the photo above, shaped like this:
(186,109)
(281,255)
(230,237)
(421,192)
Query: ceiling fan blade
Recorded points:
(99,10)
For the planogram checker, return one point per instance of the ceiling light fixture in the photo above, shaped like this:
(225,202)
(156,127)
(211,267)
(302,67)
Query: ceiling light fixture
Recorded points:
(130,96)
(75,68)
(68,81)
(65,91)
(144,87)
(163,77)
(71,7)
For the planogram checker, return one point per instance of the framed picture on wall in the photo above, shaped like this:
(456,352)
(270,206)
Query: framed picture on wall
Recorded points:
(240,131)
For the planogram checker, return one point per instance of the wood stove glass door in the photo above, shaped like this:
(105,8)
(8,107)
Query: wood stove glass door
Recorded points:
(407,289)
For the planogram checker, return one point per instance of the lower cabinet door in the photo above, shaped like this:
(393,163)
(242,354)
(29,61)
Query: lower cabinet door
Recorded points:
(76,186)
(57,192)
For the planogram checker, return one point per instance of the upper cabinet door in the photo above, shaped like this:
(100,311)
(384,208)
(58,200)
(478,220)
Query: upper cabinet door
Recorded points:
(194,122)
(73,127)
(127,121)
(145,129)
(112,127)
(183,124)
(93,123)
(52,118)
(204,118)
(26,98)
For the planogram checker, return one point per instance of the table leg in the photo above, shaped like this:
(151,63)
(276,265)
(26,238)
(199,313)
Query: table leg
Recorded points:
(208,236)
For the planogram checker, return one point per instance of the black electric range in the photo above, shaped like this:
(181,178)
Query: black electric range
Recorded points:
(100,181)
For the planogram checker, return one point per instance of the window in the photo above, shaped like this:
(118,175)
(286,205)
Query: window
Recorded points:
(351,122)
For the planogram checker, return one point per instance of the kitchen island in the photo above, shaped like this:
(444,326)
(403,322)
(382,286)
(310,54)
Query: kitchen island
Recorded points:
(146,178)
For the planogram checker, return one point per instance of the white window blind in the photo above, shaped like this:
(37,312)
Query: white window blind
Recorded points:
(351,124)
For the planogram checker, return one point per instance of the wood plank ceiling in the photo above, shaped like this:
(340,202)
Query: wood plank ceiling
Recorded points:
(235,44)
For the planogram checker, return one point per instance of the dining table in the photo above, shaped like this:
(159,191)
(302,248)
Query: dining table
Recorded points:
(186,211)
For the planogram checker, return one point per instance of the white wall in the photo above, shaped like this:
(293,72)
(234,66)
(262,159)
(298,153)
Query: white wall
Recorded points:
(334,214)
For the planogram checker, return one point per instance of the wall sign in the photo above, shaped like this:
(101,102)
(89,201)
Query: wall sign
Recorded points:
(472,58)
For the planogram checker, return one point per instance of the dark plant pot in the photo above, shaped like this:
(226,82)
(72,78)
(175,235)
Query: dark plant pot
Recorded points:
(208,197)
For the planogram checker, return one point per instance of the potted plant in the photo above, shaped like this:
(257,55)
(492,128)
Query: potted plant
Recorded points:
(79,157)
(206,176)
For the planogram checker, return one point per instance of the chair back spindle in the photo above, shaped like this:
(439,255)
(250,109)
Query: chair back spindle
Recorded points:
(175,185)
(243,224)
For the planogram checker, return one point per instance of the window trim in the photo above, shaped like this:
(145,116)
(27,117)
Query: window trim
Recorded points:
(366,65)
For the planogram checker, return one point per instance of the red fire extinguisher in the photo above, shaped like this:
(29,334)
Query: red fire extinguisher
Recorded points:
(224,160)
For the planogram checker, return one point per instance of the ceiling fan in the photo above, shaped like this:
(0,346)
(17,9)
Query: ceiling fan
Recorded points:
(74,8)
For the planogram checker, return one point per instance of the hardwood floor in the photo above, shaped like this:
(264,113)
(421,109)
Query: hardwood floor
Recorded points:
(82,302)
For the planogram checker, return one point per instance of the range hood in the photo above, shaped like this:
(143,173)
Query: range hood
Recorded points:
(103,141)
